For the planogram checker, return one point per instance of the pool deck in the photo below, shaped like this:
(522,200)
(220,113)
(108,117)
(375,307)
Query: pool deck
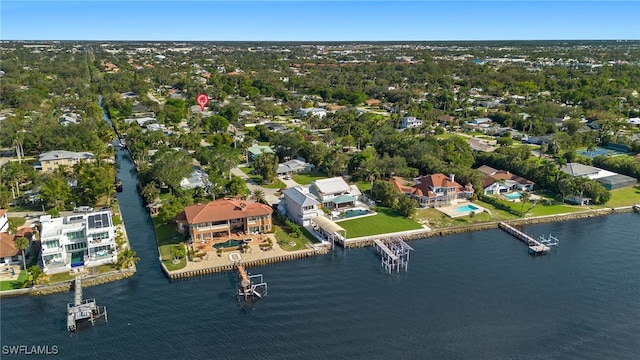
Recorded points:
(451,211)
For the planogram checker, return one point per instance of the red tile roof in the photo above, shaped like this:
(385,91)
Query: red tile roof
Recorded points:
(7,246)
(224,209)
(2,212)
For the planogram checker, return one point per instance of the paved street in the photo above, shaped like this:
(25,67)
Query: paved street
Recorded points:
(270,194)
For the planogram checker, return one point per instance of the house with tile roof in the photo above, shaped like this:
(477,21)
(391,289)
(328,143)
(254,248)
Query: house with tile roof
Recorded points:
(335,193)
(4,221)
(435,190)
(301,206)
(218,219)
(502,181)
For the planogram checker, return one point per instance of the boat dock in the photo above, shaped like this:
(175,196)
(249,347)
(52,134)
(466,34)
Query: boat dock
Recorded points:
(394,254)
(83,309)
(536,247)
(251,286)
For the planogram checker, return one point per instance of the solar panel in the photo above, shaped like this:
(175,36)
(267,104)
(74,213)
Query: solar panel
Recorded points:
(105,220)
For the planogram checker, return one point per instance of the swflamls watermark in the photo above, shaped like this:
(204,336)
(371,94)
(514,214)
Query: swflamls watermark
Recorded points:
(30,350)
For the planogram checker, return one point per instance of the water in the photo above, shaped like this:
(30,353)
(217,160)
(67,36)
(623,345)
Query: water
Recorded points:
(469,296)
(354,213)
(513,195)
(466,208)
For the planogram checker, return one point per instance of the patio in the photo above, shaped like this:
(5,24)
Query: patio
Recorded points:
(208,245)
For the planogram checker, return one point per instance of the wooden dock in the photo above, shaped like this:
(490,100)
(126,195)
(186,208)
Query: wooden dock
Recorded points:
(83,309)
(535,247)
(394,254)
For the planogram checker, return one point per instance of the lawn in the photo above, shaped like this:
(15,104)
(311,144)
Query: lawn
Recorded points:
(168,237)
(108,268)
(63,276)
(624,197)
(363,186)
(385,221)
(18,221)
(276,184)
(308,178)
(284,239)
(435,219)
(16,284)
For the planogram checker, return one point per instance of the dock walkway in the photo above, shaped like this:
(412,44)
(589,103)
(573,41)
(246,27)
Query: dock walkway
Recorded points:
(535,246)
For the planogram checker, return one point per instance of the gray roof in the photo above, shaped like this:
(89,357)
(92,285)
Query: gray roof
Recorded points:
(577,169)
(293,165)
(331,185)
(64,154)
(297,195)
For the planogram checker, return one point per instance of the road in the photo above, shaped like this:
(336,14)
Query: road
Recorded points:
(269,194)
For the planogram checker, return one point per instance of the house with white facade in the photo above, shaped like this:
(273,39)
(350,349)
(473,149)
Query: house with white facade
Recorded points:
(77,241)
(319,112)
(409,122)
(502,181)
(197,179)
(335,193)
(300,205)
(293,167)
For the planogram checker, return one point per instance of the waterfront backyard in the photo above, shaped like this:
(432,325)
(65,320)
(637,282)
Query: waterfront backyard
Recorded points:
(385,221)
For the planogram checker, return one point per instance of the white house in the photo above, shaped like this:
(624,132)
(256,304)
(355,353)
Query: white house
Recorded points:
(301,206)
(4,221)
(197,178)
(76,241)
(409,122)
(634,121)
(502,181)
(293,167)
(335,193)
(312,111)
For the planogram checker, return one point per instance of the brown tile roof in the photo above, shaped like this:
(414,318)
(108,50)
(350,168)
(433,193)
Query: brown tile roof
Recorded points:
(504,175)
(425,184)
(2,212)
(7,246)
(224,209)
(372,102)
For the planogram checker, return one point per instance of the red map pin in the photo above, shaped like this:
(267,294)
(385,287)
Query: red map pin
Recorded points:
(202,100)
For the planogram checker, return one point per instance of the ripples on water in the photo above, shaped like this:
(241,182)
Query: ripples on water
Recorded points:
(469,296)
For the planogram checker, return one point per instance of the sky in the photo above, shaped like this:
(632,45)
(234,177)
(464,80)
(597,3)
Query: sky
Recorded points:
(328,20)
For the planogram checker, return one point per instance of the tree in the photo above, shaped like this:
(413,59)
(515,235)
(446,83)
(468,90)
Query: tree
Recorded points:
(22,243)
(406,205)
(150,192)
(55,192)
(127,258)
(258,196)
(170,167)
(179,251)
(267,166)
(37,276)
(237,187)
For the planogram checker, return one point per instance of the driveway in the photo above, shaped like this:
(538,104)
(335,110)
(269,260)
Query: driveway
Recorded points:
(269,194)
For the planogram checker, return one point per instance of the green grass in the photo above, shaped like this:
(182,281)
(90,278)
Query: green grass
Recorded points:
(624,197)
(168,237)
(363,186)
(385,221)
(543,208)
(108,268)
(436,219)
(63,276)
(20,283)
(306,179)
(18,221)
(276,184)
(284,239)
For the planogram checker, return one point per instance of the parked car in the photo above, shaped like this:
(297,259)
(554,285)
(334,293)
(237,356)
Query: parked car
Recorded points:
(83,209)
(287,177)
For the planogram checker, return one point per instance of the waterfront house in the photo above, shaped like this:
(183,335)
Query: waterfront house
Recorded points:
(8,252)
(293,167)
(609,179)
(77,241)
(218,219)
(502,181)
(436,190)
(335,193)
(300,205)
(51,160)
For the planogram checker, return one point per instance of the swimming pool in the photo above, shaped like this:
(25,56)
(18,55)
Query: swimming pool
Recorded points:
(353,213)
(467,208)
(229,243)
(513,196)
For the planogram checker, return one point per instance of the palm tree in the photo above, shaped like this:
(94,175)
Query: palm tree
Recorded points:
(127,258)
(582,184)
(258,196)
(38,276)
(524,199)
(22,243)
